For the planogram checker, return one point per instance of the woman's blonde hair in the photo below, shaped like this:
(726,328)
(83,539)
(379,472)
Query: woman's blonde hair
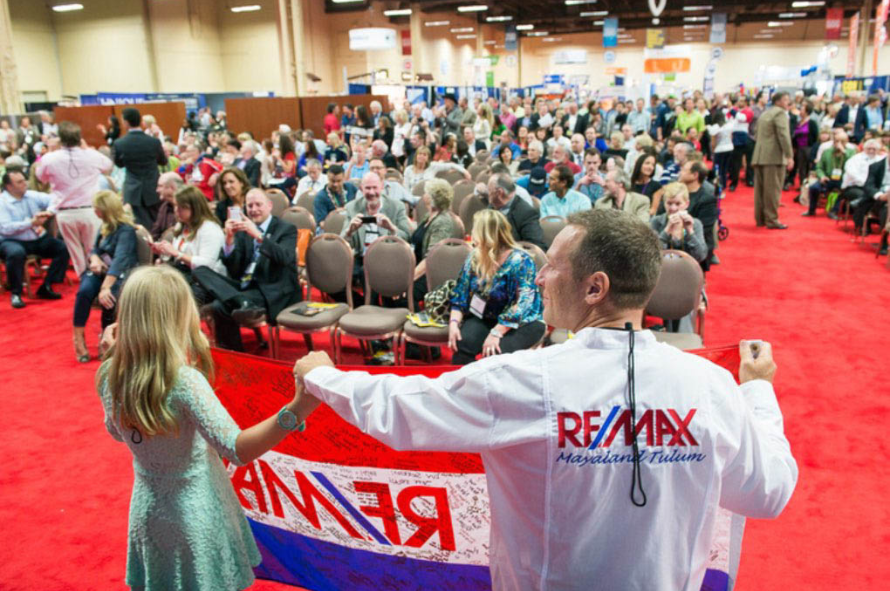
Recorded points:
(111,206)
(159,331)
(487,114)
(675,189)
(440,192)
(492,235)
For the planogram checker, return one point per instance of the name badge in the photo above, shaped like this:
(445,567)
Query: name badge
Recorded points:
(836,174)
(477,306)
(372,233)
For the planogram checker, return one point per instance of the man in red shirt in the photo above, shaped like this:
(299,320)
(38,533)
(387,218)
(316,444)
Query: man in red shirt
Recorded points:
(332,119)
(200,170)
(560,157)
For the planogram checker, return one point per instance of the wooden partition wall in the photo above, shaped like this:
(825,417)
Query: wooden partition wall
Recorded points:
(314,108)
(169,116)
(88,118)
(262,115)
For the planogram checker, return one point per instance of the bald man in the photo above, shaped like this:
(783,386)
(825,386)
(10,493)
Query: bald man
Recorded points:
(260,257)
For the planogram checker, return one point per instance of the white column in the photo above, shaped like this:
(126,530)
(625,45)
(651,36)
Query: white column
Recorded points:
(10,97)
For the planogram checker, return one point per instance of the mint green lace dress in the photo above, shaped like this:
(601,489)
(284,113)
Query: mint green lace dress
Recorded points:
(187,529)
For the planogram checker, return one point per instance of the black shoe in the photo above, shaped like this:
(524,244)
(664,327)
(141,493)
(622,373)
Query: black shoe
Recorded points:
(17,301)
(807,214)
(732,188)
(246,313)
(856,203)
(46,293)
(777,227)
(883,251)
(750,184)
(832,216)
(715,260)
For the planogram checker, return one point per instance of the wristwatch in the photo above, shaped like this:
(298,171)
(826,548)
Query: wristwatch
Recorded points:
(288,420)
(496,333)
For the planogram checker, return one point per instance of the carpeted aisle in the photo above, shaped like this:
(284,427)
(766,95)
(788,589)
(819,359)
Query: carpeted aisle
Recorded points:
(65,484)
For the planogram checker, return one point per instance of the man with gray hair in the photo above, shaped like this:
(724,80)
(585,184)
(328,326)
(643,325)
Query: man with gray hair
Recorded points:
(525,221)
(313,182)
(571,503)
(681,155)
(169,184)
(380,150)
(619,196)
(373,215)
(535,157)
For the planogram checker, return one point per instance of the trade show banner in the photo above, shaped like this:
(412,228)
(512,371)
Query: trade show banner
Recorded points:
(718,27)
(851,48)
(834,18)
(655,38)
(610,32)
(880,33)
(333,509)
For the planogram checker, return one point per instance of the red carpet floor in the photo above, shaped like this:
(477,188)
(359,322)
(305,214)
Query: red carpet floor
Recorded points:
(65,484)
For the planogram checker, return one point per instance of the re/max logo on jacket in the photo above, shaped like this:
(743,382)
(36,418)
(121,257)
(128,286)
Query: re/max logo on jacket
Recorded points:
(660,427)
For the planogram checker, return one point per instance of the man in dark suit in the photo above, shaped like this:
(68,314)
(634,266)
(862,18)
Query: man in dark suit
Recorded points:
(473,143)
(249,164)
(260,257)
(772,157)
(874,195)
(868,116)
(702,202)
(140,154)
(524,219)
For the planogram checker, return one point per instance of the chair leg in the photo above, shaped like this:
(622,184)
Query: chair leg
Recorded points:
(275,336)
(307,337)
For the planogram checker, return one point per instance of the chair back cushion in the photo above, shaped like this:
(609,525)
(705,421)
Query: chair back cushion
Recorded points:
(333,224)
(329,263)
(280,202)
(468,209)
(551,226)
(445,260)
(538,255)
(462,190)
(299,218)
(389,269)
(678,291)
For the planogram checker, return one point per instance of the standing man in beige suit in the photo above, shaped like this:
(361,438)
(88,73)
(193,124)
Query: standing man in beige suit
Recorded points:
(772,156)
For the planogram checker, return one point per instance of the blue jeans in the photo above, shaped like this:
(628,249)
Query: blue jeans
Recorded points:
(90,285)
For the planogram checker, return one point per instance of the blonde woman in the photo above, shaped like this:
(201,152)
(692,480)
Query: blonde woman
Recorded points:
(496,306)
(187,529)
(484,124)
(423,169)
(401,133)
(111,260)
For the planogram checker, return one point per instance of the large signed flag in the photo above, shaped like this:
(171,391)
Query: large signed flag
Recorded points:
(333,509)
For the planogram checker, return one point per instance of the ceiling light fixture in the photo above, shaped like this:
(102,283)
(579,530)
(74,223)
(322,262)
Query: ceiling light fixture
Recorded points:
(462,30)
(67,7)
(763,36)
(524,27)
(473,8)
(807,4)
(696,19)
(538,34)
(436,23)
(792,15)
(780,23)
(490,42)
(577,2)
(398,12)
(697,8)
(498,19)
(695,26)
(595,13)
(465,36)
(599,23)
(347,1)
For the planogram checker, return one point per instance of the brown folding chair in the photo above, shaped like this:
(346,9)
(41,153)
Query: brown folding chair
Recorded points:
(419,189)
(451,176)
(551,226)
(420,210)
(389,272)
(443,262)
(299,217)
(678,294)
(482,156)
(462,190)
(280,202)
(476,168)
(306,200)
(333,224)
(459,231)
(483,176)
(329,264)
(143,246)
(469,208)
(393,175)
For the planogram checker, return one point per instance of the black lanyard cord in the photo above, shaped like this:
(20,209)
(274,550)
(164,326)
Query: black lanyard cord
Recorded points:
(636,482)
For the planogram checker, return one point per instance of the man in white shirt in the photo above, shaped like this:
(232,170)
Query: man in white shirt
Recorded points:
(314,181)
(73,173)
(607,456)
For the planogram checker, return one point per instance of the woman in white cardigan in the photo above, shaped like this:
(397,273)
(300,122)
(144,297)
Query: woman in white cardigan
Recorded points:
(197,239)
(423,169)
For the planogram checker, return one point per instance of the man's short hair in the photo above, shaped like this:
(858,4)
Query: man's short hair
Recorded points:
(503,181)
(564,173)
(6,180)
(778,96)
(591,151)
(69,134)
(699,169)
(312,162)
(537,145)
(624,248)
(621,177)
(171,178)
(335,169)
(132,116)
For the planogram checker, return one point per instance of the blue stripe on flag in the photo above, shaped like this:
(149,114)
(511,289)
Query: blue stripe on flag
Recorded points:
(602,431)
(350,509)
(296,559)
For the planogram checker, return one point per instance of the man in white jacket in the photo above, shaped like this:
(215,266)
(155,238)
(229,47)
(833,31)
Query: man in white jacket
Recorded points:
(606,457)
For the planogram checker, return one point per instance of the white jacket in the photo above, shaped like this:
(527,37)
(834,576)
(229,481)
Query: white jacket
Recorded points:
(561,516)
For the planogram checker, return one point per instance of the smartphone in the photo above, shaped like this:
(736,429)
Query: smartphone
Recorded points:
(756,345)
(369,219)
(235,213)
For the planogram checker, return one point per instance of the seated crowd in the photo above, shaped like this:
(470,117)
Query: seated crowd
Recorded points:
(216,204)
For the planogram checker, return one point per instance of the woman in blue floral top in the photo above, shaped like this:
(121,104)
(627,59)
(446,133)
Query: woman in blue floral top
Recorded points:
(496,306)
